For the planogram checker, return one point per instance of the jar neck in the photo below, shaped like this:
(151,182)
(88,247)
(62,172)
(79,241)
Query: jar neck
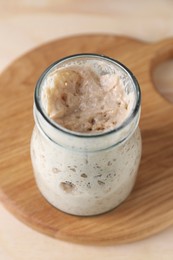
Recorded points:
(101,65)
(86,143)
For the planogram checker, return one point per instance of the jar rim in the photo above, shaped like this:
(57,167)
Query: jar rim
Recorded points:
(55,125)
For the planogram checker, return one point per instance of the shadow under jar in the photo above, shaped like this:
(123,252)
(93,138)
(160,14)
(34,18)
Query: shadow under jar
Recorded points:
(87,173)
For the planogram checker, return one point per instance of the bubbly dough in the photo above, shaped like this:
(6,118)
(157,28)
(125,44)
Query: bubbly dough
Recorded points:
(88,97)
(81,100)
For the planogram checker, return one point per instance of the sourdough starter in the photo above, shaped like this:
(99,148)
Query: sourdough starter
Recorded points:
(85,166)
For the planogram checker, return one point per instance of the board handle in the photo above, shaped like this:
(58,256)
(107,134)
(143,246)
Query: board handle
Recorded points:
(161,51)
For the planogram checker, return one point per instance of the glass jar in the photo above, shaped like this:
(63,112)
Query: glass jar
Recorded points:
(86,174)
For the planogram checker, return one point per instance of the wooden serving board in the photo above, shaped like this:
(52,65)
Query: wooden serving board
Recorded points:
(149,209)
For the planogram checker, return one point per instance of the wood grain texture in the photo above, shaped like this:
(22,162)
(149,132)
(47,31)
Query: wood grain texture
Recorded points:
(149,209)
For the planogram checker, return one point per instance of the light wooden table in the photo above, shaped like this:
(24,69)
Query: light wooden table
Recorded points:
(26,24)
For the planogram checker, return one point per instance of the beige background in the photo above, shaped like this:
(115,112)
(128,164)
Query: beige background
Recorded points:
(28,23)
